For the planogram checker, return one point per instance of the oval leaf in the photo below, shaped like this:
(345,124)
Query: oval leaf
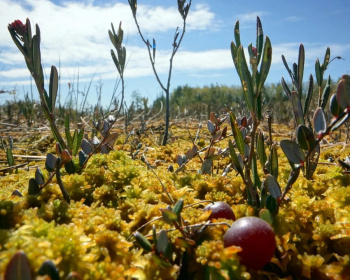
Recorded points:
(237,134)
(319,121)
(143,241)
(86,146)
(210,126)
(49,268)
(261,149)
(343,93)
(39,177)
(305,137)
(292,151)
(178,207)
(274,161)
(206,166)
(168,215)
(50,163)
(334,107)
(33,188)
(272,186)
(162,242)
(9,156)
(53,87)
(266,215)
(82,158)
(18,268)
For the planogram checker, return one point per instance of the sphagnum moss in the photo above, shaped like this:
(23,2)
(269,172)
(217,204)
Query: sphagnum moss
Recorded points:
(91,237)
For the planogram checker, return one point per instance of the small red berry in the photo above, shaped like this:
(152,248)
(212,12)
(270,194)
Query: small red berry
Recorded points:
(256,238)
(220,209)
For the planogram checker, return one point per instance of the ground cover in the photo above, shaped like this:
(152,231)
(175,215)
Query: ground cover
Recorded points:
(116,194)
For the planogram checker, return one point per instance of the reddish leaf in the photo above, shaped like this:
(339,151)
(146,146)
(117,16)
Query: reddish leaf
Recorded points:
(18,268)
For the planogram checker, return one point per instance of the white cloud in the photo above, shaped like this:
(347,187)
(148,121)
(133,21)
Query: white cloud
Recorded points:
(76,33)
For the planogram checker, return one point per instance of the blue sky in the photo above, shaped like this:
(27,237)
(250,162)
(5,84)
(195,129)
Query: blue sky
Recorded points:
(77,33)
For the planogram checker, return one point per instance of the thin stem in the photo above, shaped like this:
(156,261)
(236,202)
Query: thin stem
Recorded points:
(144,159)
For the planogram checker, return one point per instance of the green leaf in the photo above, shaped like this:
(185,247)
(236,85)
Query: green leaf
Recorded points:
(326,59)
(237,134)
(256,178)
(259,39)
(122,59)
(207,165)
(33,187)
(120,34)
(334,107)
(259,105)
(272,186)
(82,158)
(318,71)
(53,87)
(319,121)
(184,242)
(86,146)
(133,6)
(19,45)
(154,235)
(143,241)
(326,92)
(169,216)
(38,70)
(235,159)
(297,109)
(69,167)
(67,131)
(265,64)
(293,176)
(305,137)
(9,157)
(234,55)
(266,215)
(111,36)
(312,162)
(271,204)
(246,79)
(50,163)
(310,90)
(18,268)
(49,268)
(260,146)
(301,62)
(39,177)
(292,151)
(160,261)
(116,62)
(178,207)
(274,161)
(287,67)
(163,244)
(339,121)
(286,88)
(76,144)
(237,34)
(252,59)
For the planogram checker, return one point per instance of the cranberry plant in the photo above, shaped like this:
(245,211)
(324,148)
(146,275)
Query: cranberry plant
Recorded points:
(248,147)
(67,149)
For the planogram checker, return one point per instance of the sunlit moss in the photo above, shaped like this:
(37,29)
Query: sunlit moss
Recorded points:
(115,195)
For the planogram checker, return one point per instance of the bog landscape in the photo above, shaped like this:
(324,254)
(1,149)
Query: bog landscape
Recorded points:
(247,182)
